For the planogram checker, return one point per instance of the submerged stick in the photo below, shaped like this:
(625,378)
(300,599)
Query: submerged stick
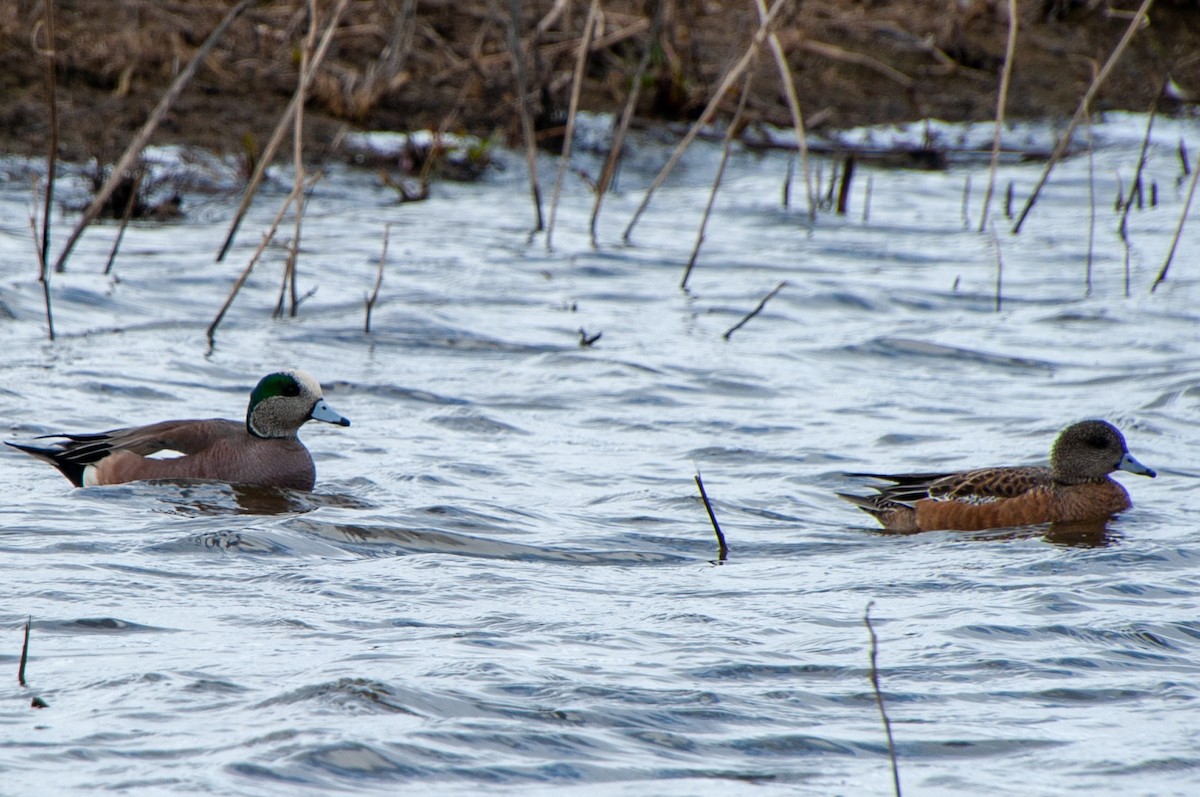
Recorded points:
(726,147)
(843,198)
(527,131)
(755,311)
(1064,141)
(1187,204)
(887,723)
(1091,247)
(134,150)
(722,548)
(289,113)
(999,267)
(585,42)
(1001,101)
(374,297)
(51,53)
(709,112)
(618,142)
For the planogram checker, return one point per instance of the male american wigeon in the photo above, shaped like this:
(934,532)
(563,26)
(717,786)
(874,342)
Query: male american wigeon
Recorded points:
(262,451)
(1076,487)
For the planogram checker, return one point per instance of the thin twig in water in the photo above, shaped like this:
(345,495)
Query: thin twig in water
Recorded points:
(589,30)
(793,100)
(722,548)
(843,199)
(289,114)
(730,133)
(755,311)
(43,268)
(710,110)
(887,723)
(1187,204)
(134,150)
(1091,247)
(125,217)
(1001,101)
(1139,18)
(618,142)
(966,203)
(370,300)
(293,258)
(51,53)
(527,131)
(24,654)
(867,199)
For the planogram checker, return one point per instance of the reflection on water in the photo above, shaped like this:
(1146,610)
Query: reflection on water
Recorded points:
(504,580)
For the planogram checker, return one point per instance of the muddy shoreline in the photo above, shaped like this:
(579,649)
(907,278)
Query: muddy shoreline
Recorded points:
(402,65)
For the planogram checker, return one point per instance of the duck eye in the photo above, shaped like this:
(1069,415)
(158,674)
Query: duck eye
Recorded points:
(291,388)
(1097,441)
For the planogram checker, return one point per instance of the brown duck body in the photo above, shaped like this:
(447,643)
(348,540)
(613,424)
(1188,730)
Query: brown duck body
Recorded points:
(263,451)
(1075,488)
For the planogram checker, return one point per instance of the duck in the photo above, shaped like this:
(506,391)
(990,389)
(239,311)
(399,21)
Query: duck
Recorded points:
(263,451)
(1076,487)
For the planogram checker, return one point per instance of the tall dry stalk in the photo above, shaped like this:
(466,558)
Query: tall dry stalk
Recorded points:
(43,249)
(369,301)
(289,114)
(883,715)
(793,100)
(142,137)
(1187,204)
(618,143)
(726,148)
(1001,101)
(1139,18)
(709,112)
(585,42)
(527,131)
(1091,246)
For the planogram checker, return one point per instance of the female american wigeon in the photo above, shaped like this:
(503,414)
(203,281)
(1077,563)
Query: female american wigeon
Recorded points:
(262,451)
(1076,487)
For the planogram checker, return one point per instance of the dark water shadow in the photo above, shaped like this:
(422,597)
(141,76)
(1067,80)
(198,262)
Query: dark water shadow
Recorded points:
(199,497)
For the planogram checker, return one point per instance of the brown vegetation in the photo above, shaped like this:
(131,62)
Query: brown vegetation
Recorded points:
(409,64)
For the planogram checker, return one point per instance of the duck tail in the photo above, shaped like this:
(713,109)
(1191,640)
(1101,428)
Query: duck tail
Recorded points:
(59,458)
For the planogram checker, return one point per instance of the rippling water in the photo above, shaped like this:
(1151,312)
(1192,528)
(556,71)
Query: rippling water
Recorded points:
(504,580)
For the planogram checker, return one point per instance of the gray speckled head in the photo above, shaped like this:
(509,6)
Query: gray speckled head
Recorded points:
(282,402)
(1090,450)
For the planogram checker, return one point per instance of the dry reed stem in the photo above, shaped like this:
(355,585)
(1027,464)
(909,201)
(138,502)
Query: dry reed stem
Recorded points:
(134,150)
(1091,247)
(125,217)
(793,100)
(999,267)
(51,53)
(527,131)
(722,548)
(618,142)
(1001,101)
(369,301)
(1135,188)
(710,110)
(866,217)
(24,654)
(1187,204)
(589,30)
(843,199)
(210,333)
(836,53)
(729,332)
(887,723)
(289,114)
(726,148)
(1064,141)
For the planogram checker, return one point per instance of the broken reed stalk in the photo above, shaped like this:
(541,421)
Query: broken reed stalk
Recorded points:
(585,43)
(999,267)
(618,142)
(1001,102)
(527,131)
(867,199)
(1060,149)
(887,723)
(142,137)
(843,199)
(287,283)
(43,272)
(966,203)
(730,133)
(289,114)
(125,217)
(709,112)
(51,54)
(210,333)
(793,100)
(1187,204)
(24,654)
(369,301)
(722,548)
(1135,188)
(755,311)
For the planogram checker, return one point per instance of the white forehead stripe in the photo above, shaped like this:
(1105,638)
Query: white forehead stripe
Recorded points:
(306,380)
